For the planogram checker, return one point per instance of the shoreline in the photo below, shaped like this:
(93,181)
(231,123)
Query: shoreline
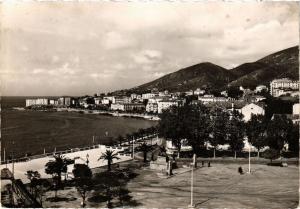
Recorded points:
(101,112)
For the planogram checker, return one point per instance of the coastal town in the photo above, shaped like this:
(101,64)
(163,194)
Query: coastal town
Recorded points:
(157,104)
(163,149)
(245,100)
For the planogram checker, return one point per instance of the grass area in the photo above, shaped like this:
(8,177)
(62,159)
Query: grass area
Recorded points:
(32,131)
(218,186)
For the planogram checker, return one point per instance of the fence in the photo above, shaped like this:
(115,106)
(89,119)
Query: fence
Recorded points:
(114,147)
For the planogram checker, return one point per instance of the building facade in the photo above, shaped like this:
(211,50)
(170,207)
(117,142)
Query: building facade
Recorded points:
(117,106)
(122,100)
(166,104)
(296,109)
(148,95)
(251,109)
(283,86)
(37,102)
(152,107)
(134,107)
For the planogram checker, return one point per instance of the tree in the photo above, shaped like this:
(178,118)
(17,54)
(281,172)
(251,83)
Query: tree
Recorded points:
(217,127)
(83,180)
(293,139)
(196,126)
(42,186)
(235,132)
(128,138)
(33,177)
(109,185)
(278,130)
(234,92)
(37,185)
(120,139)
(90,100)
(271,154)
(171,126)
(256,132)
(141,133)
(145,149)
(109,156)
(56,168)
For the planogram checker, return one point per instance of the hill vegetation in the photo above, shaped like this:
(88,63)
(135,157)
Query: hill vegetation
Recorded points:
(207,75)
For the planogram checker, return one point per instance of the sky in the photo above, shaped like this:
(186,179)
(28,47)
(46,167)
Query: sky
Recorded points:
(79,48)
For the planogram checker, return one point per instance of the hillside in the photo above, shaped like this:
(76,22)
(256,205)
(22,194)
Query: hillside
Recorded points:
(281,64)
(203,75)
(284,63)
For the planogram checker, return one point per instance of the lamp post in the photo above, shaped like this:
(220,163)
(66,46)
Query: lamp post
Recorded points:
(192,187)
(192,182)
(249,168)
(87,159)
(133,148)
(12,158)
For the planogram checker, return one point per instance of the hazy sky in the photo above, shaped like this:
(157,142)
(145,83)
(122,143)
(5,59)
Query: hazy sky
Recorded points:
(71,48)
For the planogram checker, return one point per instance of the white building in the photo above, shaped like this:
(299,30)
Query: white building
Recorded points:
(251,109)
(53,102)
(67,101)
(172,149)
(157,99)
(224,93)
(148,95)
(117,106)
(165,104)
(152,107)
(109,99)
(257,98)
(105,101)
(189,93)
(122,100)
(37,102)
(98,101)
(163,93)
(296,109)
(30,102)
(282,86)
(211,98)
(135,96)
(199,92)
(260,88)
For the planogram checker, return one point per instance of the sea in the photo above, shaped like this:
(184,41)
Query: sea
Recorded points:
(26,132)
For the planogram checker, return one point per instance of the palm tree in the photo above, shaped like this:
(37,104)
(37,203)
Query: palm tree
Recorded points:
(109,156)
(33,177)
(56,168)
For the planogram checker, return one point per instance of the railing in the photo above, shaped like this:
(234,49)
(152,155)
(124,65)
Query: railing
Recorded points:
(114,147)
(22,193)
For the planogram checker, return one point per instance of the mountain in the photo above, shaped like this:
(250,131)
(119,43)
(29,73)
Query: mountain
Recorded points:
(281,64)
(197,76)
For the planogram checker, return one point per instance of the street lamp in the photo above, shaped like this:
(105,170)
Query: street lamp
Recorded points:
(249,168)
(12,158)
(192,181)
(133,148)
(87,159)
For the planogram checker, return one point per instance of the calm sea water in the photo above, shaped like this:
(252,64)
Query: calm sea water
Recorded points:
(12,101)
(32,131)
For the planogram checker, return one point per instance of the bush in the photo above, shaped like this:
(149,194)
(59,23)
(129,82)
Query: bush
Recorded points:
(271,154)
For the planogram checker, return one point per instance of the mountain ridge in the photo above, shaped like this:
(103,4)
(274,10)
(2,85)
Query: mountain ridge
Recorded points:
(284,63)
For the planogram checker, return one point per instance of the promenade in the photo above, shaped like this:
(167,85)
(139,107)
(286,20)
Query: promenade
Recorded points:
(37,163)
